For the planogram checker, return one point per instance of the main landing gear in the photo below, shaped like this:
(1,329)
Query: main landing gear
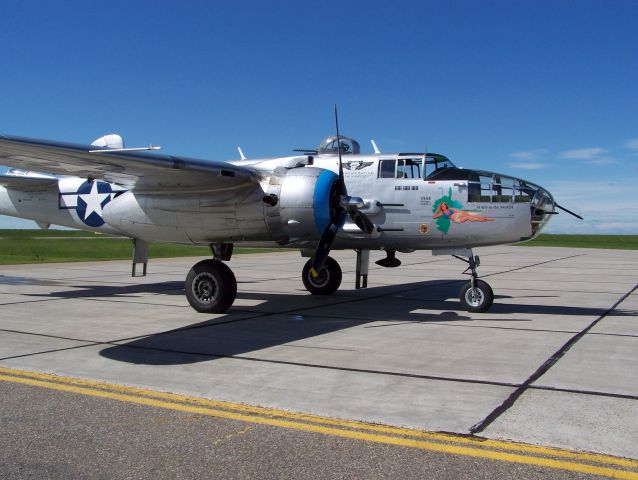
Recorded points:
(476,295)
(211,287)
(328,280)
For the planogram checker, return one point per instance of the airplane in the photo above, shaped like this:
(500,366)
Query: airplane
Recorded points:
(332,197)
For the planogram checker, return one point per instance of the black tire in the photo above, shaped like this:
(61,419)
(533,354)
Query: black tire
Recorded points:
(210,287)
(478,301)
(328,280)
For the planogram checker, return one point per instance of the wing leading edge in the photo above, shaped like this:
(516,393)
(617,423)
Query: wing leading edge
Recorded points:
(141,171)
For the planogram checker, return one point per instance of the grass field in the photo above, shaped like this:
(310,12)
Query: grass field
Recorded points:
(39,246)
(622,242)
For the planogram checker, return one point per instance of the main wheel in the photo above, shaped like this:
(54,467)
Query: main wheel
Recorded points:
(326,282)
(210,287)
(479,299)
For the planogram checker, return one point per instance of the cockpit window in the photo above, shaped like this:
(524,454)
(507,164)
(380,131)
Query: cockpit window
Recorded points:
(409,168)
(434,164)
(414,166)
(387,168)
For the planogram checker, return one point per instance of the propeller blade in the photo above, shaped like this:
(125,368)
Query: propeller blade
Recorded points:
(362,221)
(324,245)
(342,183)
(568,211)
(343,203)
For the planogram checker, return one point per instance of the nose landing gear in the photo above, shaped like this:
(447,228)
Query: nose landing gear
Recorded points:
(476,295)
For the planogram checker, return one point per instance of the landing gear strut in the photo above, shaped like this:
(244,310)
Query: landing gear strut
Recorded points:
(476,295)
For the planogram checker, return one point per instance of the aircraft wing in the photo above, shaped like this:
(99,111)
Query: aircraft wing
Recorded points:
(15,181)
(141,171)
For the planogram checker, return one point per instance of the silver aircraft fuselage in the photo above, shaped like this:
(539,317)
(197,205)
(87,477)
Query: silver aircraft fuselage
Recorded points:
(413,204)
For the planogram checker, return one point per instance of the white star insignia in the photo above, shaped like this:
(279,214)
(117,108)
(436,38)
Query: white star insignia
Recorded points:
(93,201)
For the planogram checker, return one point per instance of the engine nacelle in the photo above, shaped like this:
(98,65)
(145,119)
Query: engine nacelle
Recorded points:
(295,211)
(302,211)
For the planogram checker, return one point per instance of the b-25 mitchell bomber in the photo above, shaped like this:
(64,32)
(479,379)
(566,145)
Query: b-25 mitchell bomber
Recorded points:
(333,197)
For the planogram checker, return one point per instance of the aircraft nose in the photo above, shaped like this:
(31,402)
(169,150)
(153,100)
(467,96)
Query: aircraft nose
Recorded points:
(542,205)
(494,187)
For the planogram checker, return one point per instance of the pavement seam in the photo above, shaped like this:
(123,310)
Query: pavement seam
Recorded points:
(34,301)
(534,265)
(49,351)
(438,442)
(584,392)
(117,343)
(273,412)
(549,363)
(322,367)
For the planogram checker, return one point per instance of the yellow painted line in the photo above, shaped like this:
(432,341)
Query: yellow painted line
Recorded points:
(476,442)
(66,385)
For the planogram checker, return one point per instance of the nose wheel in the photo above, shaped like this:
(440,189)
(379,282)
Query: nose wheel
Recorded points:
(476,295)
(476,299)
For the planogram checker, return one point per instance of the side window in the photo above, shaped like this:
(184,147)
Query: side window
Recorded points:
(387,168)
(400,168)
(473,191)
(486,188)
(429,167)
(503,189)
(483,188)
(523,192)
(411,169)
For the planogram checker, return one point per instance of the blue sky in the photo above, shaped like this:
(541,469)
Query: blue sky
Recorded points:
(544,90)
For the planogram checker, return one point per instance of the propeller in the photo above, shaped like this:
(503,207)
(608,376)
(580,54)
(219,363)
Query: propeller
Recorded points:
(340,205)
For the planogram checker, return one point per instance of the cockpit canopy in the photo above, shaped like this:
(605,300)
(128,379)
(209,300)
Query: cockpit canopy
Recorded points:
(329,146)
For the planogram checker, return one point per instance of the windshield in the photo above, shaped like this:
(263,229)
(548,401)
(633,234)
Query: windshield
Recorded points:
(435,163)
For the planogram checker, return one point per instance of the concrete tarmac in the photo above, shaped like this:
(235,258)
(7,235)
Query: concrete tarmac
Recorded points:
(69,436)
(552,363)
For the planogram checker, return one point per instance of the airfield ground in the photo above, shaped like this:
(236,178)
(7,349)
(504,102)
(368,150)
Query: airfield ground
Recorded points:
(553,364)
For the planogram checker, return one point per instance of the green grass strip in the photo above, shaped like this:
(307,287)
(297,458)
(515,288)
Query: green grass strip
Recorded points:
(43,246)
(621,242)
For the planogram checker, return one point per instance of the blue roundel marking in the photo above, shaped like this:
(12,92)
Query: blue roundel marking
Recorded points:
(321,199)
(92,197)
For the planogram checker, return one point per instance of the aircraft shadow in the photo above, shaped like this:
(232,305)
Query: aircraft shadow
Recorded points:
(111,291)
(236,336)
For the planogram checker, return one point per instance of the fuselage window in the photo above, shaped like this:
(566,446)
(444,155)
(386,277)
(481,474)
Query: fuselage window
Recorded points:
(523,193)
(486,188)
(503,188)
(409,168)
(497,188)
(387,168)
